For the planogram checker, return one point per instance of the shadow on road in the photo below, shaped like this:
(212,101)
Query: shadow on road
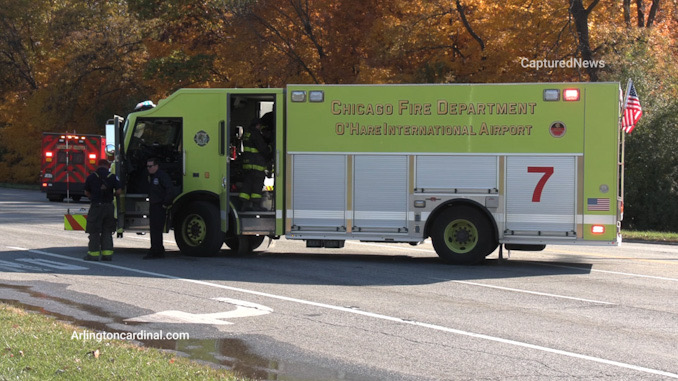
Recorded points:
(350,268)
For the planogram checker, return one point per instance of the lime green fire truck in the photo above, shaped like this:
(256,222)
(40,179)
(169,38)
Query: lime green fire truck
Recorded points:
(472,166)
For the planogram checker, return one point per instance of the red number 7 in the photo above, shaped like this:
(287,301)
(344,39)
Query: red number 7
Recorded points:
(547,171)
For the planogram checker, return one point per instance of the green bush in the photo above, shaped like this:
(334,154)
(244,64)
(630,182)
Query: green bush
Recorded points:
(652,172)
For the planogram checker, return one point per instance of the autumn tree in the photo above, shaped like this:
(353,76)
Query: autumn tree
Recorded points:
(644,52)
(65,64)
(580,14)
(640,12)
(309,41)
(71,64)
(180,38)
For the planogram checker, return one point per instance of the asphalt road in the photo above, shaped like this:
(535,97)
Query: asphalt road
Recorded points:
(365,312)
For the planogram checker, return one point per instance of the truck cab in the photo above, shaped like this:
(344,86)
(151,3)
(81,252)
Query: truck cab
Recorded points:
(196,136)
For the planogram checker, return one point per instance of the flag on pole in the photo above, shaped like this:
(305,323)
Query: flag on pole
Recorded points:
(632,109)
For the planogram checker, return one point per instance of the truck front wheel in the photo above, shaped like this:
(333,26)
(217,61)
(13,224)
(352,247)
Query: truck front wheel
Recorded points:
(198,230)
(463,235)
(244,244)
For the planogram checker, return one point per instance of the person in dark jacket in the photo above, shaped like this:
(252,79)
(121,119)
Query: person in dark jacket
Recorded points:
(100,187)
(255,152)
(160,196)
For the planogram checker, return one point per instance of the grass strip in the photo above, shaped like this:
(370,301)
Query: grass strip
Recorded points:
(38,347)
(653,236)
(20,186)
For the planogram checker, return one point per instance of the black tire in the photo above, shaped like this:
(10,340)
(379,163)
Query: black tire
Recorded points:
(197,230)
(244,245)
(463,235)
(56,197)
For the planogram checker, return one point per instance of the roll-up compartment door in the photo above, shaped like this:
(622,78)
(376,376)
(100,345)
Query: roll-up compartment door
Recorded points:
(319,192)
(465,173)
(380,193)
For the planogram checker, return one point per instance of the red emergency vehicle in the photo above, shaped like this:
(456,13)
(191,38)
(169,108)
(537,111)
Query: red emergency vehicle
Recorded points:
(67,160)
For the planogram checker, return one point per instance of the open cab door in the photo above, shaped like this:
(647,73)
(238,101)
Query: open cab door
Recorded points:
(115,147)
(250,226)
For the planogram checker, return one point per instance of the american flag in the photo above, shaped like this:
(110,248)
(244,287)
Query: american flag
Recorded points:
(632,110)
(598,204)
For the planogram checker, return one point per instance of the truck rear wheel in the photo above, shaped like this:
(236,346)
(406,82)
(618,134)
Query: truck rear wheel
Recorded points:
(463,235)
(198,230)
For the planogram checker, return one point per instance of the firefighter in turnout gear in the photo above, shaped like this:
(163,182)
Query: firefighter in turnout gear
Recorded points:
(255,152)
(100,187)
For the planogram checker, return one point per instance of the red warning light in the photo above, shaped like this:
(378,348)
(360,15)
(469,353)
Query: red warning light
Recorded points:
(571,94)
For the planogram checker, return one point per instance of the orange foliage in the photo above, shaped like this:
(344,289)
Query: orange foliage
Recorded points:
(69,65)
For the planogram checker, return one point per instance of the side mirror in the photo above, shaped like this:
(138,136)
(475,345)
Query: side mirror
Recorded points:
(110,149)
(110,133)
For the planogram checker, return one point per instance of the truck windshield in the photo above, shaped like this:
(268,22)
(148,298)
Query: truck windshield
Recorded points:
(158,138)
(155,132)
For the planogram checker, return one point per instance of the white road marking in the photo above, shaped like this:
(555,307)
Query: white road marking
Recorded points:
(531,292)
(180,317)
(52,264)
(18,267)
(243,309)
(381,317)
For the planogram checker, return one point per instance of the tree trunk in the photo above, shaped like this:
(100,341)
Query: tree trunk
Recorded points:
(581,23)
(467,25)
(641,13)
(627,12)
(653,13)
